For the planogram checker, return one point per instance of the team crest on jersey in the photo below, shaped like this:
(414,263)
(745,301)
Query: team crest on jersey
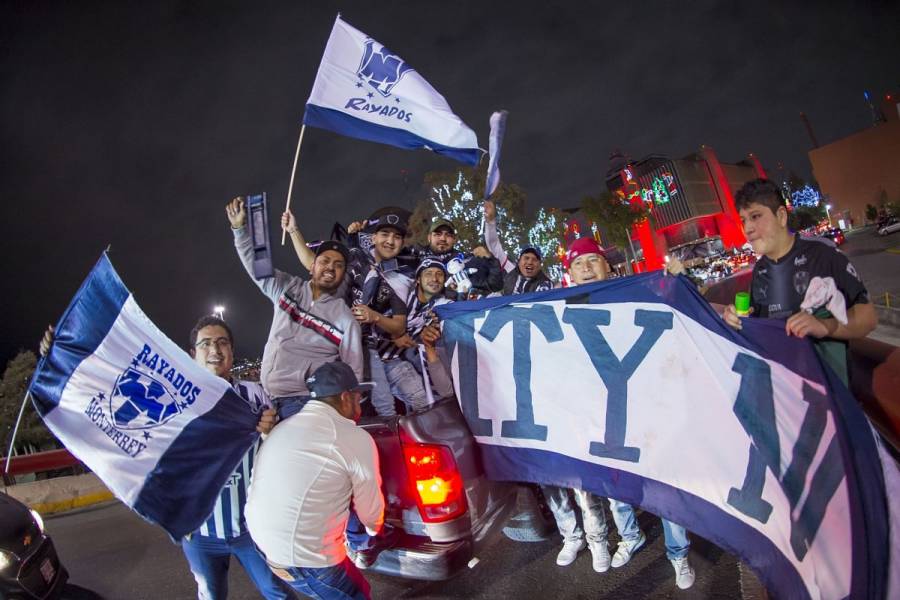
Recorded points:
(381,68)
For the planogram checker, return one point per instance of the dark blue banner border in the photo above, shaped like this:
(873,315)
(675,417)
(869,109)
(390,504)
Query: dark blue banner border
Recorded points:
(344,124)
(82,327)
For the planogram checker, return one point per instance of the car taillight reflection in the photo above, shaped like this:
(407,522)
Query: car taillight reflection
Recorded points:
(437,484)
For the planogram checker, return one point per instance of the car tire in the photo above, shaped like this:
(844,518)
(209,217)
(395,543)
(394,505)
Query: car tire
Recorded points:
(532,521)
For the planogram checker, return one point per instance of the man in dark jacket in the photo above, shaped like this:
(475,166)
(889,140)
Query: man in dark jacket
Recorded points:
(524,275)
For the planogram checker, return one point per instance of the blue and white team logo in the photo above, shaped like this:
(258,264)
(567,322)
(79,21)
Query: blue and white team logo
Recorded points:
(381,68)
(138,401)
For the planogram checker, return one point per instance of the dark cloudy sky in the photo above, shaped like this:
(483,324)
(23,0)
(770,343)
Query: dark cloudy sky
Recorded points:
(132,123)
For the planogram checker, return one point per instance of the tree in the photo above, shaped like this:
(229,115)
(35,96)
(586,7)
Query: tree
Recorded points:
(871,213)
(32,431)
(804,217)
(457,196)
(616,216)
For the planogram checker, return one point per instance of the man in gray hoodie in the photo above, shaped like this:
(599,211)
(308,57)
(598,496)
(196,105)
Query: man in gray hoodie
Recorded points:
(311,324)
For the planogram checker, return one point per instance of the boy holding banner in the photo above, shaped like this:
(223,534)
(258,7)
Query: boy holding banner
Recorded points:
(805,281)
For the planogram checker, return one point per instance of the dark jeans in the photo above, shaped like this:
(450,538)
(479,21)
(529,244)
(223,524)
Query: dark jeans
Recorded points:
(287,406)
(209,559)
(343,581)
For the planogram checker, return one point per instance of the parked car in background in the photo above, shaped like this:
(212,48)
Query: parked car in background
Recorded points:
(834,234)
(29,566)
(891,226)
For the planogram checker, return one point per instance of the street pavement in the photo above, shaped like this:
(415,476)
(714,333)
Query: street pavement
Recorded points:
(113,554)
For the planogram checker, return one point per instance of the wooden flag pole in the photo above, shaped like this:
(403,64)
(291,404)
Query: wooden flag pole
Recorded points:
(291,184)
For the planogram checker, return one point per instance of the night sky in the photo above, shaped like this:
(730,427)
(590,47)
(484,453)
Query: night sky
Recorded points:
(132,124)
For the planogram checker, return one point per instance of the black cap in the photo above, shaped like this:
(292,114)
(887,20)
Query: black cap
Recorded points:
(428,262)
(533,250)
(336,246)
(438,222)
(335,377)
(390,216)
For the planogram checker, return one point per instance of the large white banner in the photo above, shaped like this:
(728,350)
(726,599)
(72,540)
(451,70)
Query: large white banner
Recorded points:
(636,390)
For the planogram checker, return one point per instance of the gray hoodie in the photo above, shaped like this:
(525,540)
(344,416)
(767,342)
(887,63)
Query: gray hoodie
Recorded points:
(304,334)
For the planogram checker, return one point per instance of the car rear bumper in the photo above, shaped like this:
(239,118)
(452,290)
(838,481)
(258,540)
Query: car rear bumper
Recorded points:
(415,557)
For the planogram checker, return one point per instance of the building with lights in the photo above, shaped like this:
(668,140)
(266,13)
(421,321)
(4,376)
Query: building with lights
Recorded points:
(862,168)
(691,201)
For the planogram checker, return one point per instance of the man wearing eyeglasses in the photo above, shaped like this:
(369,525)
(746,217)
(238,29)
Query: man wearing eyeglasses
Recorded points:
(224,533)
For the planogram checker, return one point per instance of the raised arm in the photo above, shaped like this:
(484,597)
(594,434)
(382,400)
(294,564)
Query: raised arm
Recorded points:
(492,240)
(237,216)
(289,224)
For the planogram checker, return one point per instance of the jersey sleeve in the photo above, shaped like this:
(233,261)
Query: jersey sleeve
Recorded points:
(847,279)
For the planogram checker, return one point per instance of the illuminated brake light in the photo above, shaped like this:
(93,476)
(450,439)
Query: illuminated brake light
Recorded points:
(437,485)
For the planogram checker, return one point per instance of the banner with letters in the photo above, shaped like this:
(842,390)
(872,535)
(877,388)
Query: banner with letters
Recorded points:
(163,433)
(635,389)
(365,91)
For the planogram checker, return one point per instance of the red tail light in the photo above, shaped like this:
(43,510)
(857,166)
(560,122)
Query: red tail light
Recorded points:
(436,482)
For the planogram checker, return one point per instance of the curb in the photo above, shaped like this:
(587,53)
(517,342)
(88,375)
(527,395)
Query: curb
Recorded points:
(47,508)
(60,494)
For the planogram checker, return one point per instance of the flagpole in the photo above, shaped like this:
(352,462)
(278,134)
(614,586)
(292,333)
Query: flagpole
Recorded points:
(12,441)
(293,172)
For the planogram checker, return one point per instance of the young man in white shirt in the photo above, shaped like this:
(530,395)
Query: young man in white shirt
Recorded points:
(313,465)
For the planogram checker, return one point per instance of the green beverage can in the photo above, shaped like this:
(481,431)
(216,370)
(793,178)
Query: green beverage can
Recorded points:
(742,303)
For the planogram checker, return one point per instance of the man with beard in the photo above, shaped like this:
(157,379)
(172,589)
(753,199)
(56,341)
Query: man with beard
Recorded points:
(311,324)
(374,286)
(484,270)
(523,276)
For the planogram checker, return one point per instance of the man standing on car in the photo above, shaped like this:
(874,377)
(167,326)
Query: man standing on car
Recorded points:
(311,324)
(313,466)
(523,276)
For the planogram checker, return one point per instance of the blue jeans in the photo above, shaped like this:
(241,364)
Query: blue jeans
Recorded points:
(209,559)
(341,582)
(398,378)
(287,406)
(677,541)
(560,502)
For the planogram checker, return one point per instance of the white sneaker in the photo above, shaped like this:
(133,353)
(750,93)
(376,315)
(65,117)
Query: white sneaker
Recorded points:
(569,552)
(600,556)
(625,550)
(684,573)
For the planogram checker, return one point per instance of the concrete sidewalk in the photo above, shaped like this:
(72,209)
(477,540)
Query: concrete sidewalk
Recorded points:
(61,493)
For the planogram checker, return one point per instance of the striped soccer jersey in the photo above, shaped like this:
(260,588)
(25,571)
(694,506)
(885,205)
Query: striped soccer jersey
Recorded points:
(227,518)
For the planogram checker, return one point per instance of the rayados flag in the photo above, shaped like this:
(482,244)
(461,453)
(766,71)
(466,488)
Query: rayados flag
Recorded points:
(363,90)
(635,389)
(161,432)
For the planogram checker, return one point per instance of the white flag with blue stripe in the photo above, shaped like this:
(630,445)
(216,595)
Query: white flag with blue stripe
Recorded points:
(635,389)
(163,433)
(364,90)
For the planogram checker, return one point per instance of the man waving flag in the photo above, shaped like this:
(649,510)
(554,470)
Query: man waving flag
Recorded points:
(163,433)
(363,90)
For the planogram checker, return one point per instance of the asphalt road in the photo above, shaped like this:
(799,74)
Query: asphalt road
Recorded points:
(111,553)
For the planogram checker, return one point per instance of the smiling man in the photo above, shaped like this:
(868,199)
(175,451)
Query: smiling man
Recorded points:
(209,549)
(795,277)
(523,276)
(311,323)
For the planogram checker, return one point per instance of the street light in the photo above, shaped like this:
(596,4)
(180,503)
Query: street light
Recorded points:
(828,213)
(219,311)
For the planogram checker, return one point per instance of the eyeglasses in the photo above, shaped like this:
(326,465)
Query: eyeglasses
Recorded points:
(206,344)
